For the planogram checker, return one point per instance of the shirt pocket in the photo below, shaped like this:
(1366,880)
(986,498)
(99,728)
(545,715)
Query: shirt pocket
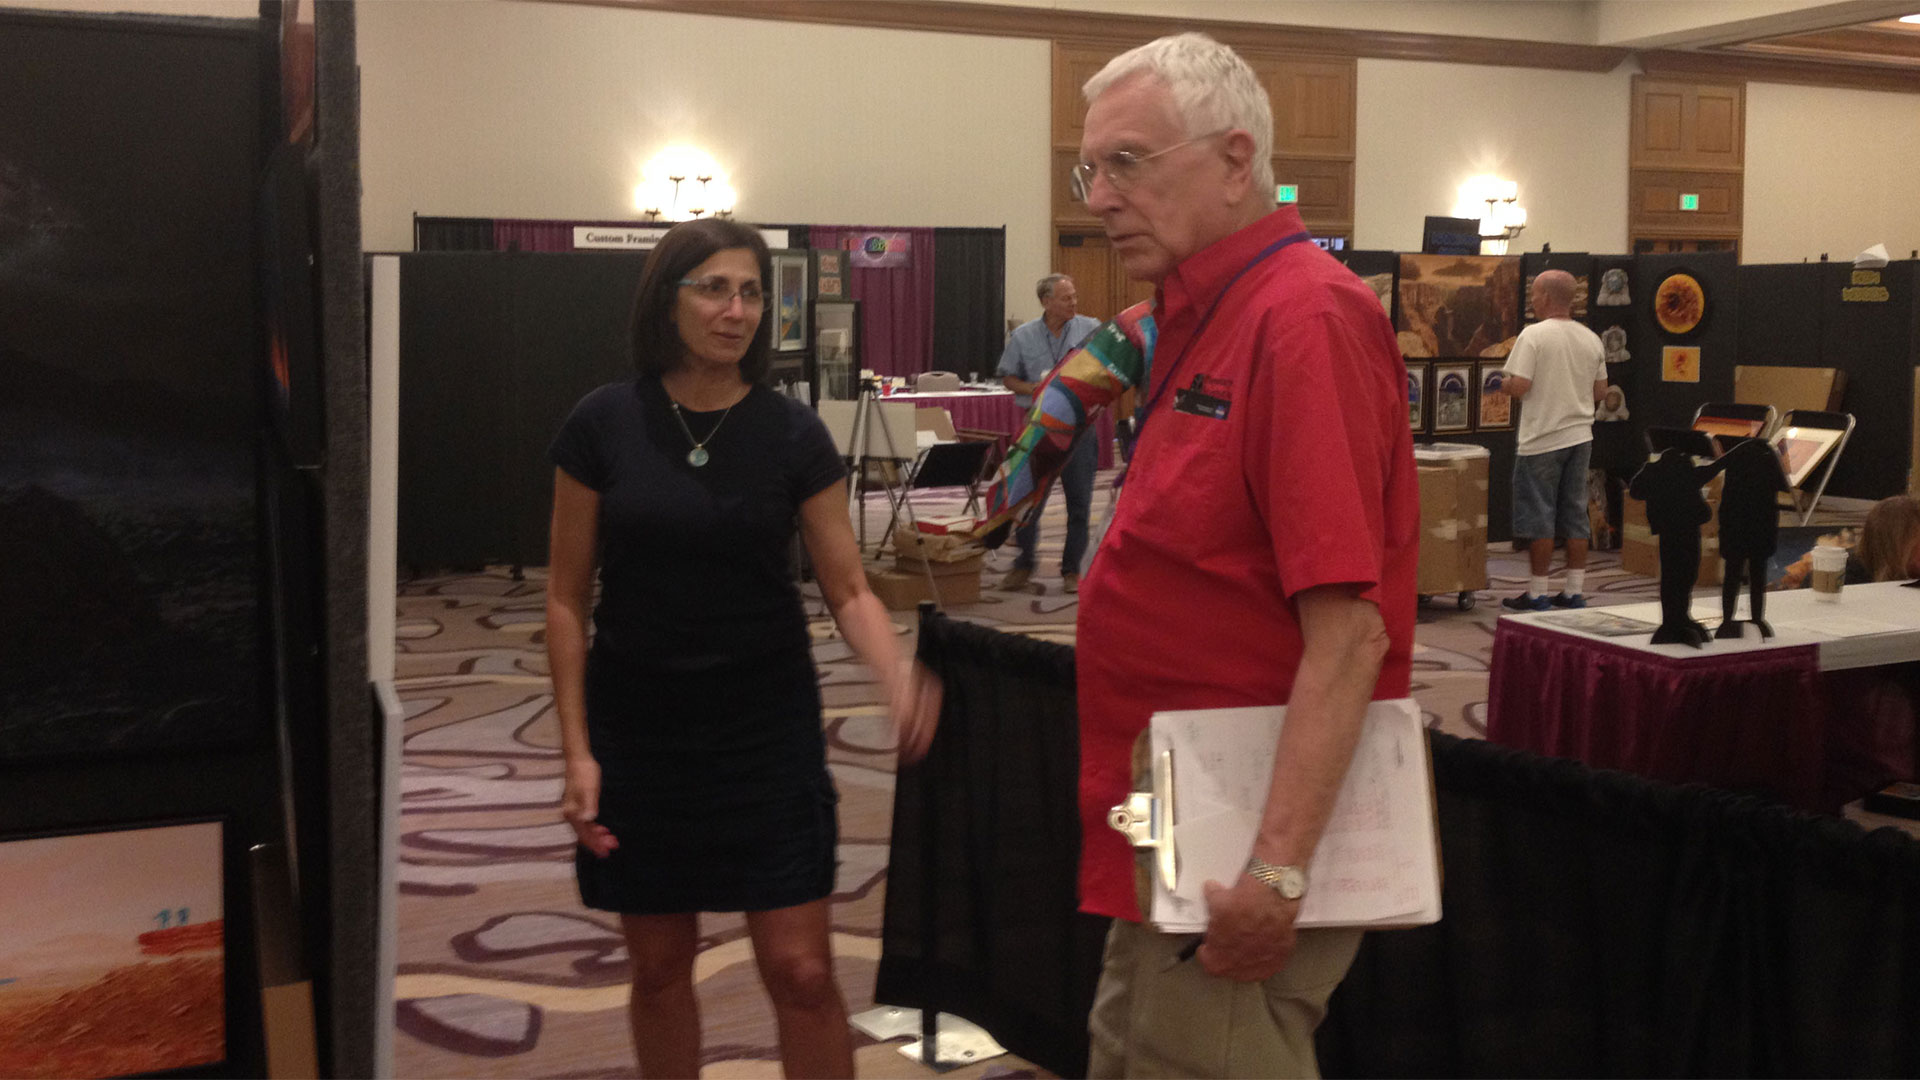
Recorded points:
(1189,479)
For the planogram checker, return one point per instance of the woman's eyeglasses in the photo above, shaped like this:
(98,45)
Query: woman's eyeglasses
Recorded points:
(720,291)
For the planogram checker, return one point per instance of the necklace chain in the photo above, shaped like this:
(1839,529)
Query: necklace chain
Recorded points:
(698,455)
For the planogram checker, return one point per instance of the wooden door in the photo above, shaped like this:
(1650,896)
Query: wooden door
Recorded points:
(1087,258)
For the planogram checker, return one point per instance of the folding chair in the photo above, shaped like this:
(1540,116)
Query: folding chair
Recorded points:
(946,464)
(1809,441)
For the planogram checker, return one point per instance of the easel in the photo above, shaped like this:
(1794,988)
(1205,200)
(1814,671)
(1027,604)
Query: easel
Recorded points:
(866,414)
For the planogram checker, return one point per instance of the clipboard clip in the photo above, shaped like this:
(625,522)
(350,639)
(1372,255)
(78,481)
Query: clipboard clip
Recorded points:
(1146,820)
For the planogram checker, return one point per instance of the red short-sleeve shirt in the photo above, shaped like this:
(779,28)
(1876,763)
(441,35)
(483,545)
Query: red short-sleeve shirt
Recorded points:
(1275,458)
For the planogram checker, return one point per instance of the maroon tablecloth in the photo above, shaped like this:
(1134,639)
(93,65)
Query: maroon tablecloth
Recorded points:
(1743,721)
(997,412)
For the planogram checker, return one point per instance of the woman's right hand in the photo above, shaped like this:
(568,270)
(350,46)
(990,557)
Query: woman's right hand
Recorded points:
(580,805)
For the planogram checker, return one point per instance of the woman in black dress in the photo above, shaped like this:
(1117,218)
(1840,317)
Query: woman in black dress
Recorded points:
(696,775)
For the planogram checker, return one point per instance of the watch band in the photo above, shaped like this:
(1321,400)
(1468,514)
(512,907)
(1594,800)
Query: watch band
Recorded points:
(1289,881)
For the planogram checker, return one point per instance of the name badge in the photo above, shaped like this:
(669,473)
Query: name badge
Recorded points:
(1195,401)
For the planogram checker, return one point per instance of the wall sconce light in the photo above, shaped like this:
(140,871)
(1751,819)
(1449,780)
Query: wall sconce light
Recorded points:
(1496,203)
(681,183)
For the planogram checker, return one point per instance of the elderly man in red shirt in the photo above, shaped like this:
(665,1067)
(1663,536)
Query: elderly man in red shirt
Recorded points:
(1261,552)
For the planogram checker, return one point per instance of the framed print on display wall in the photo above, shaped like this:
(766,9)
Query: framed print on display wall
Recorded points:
(790,296)
(1453,388)
(1679,363)
(1496,408)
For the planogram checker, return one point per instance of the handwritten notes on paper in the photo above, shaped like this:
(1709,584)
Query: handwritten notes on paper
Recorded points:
(1378,861)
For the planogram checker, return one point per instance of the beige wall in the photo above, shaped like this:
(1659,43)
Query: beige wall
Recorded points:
(549,110)
(1561,135)
(1830,171)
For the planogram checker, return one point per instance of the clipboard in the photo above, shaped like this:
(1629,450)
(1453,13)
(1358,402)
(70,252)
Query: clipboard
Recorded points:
(1378,863)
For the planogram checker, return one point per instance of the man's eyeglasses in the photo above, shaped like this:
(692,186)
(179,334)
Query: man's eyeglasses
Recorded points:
(720,291)
(1122,168)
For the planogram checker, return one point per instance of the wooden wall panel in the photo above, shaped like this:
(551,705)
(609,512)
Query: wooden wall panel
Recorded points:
(1687,136)
(1688,124)
(1326,192)
(1073,64)
(1655,202)
(1067,210)
(1312,106)
(1088,260)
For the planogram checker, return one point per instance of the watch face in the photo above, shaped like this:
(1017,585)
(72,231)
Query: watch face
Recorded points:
(1292,883)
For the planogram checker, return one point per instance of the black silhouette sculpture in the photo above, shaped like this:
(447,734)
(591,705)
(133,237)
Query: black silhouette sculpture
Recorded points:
(1749,527)
(1670,486)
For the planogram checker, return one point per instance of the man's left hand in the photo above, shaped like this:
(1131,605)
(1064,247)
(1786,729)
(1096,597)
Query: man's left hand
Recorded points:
(1250,933)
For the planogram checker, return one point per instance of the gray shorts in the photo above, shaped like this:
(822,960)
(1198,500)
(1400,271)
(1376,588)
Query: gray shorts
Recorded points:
(1155,1015)
(1550,494)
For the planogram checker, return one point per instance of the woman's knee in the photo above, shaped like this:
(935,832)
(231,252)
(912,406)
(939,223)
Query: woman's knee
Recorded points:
(800,978)
(660,956)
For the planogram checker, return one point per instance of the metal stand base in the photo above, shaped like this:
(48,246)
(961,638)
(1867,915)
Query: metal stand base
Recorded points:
(956,1042)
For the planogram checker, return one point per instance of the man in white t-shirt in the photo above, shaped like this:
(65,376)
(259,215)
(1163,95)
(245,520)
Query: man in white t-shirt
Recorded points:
(1558,370)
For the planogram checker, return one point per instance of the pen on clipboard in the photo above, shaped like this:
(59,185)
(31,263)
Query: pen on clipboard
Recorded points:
(1191,948)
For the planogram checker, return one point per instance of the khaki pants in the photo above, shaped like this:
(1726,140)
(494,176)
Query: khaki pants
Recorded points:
(1157,1016)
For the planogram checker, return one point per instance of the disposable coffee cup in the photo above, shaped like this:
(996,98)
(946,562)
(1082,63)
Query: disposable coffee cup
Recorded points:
(1829,571)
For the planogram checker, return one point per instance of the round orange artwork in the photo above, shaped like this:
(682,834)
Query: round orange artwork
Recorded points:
(1679,304)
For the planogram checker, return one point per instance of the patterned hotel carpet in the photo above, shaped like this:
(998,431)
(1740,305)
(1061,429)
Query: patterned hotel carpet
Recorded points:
(503,973)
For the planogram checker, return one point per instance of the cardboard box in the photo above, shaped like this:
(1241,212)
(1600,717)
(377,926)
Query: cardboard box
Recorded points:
(901,591)
(906,564)
(1640,548)
(911,543)
(1453,523)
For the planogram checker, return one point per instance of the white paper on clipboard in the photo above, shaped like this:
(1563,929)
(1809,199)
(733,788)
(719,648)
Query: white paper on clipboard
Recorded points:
(1378,863)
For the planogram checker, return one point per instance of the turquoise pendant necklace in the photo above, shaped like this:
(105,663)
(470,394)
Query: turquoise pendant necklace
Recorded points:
(698,456)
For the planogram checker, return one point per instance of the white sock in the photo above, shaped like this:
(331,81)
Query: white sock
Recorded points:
(1576,581)
(1537,586)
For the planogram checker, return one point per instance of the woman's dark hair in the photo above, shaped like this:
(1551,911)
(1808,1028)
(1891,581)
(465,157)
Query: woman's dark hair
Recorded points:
(657,348)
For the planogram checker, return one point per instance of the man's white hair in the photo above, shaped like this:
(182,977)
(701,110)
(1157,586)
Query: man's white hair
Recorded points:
(1213,90)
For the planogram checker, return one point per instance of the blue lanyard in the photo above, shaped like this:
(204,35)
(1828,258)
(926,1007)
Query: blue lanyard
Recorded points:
(1142,414)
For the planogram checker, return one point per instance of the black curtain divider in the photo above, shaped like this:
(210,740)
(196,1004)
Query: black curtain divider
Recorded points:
(1596,923)
(1600,924)
(452,234)
(981,918)
(495,350)
(969,299)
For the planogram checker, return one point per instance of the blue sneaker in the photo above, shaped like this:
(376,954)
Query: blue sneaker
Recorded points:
(1577,600)
(1527,602)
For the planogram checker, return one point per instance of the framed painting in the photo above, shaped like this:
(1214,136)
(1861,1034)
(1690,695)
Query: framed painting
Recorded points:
(1458,306)
(790,297)
(1804,448)
(1453,392)
(133,585)
(124,928)
(1419,378)
(1680,304)
(836,342)
(1680,363)
(1496,408)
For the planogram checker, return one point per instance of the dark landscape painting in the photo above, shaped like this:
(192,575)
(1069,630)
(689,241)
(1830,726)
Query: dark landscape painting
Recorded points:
(1458,306)
(129,393)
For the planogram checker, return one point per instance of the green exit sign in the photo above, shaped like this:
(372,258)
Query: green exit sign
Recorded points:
(1286,193)
(1689,202)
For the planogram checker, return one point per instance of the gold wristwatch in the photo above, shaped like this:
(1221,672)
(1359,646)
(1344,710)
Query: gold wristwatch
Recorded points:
(1289,881)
